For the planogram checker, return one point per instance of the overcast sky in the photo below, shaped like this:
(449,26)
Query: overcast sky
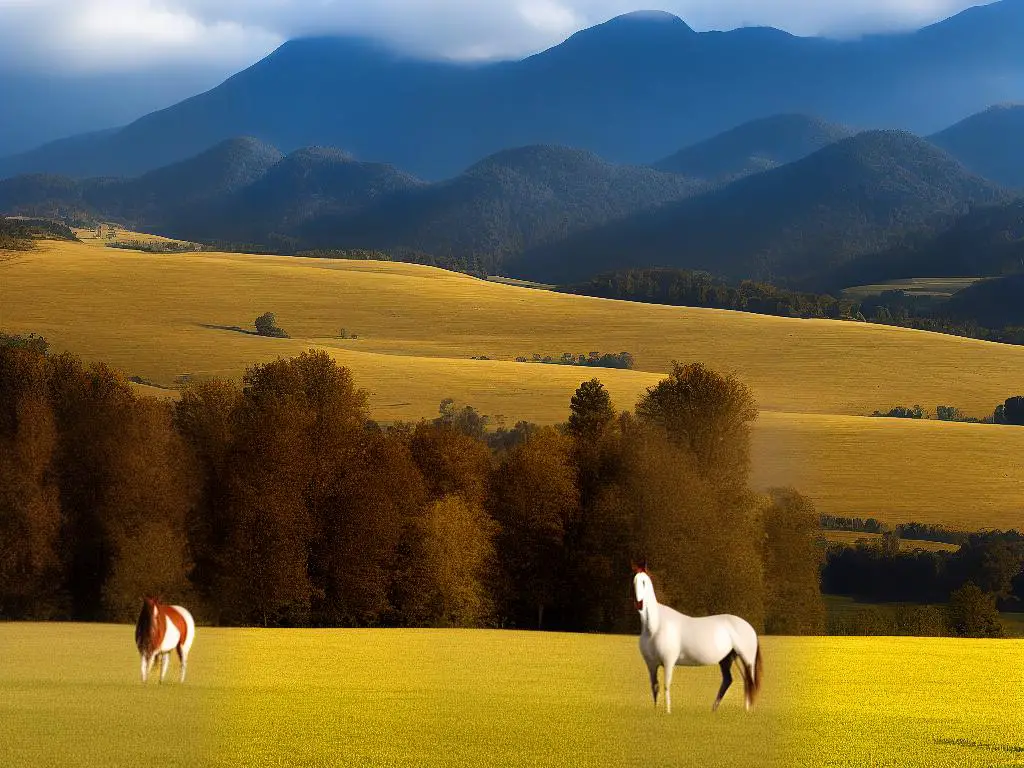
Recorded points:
(92,36)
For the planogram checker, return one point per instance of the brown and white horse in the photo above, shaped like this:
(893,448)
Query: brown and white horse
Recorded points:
(160,630)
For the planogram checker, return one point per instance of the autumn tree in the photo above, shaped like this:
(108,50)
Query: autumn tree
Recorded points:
(792,565)
(366,532)
(152,488)
(708,415)
(29,500)
(454,561)
(452,462)
(204,416)
(124,492)
(535,502)
(597,542)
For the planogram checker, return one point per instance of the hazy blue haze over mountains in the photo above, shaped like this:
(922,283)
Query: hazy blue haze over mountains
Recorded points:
(632,90)
(990,143)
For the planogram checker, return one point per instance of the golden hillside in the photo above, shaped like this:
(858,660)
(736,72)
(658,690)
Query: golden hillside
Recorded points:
(165,316)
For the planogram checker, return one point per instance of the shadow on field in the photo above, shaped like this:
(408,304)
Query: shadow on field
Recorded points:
(233,328)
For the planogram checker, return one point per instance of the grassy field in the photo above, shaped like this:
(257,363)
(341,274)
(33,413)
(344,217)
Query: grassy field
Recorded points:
(121,235)
(69,695)
(907,545)
(943,287)
(165,317)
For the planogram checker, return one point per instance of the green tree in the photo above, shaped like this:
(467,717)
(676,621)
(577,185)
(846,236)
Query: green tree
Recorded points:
(591,411)
(972,613)
(1013,410)
(266,325)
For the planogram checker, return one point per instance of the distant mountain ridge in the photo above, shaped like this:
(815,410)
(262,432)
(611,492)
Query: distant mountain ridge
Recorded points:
(631,90)
(320,197)
(990,143)
(753,147)
(790,224)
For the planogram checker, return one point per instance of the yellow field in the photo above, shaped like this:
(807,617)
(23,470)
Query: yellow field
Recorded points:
(70,695)
(916,286)
(164,316)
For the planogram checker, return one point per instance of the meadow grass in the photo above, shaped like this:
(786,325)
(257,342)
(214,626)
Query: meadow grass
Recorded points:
(941,287)
(167,316)
(70,695)
(906,545)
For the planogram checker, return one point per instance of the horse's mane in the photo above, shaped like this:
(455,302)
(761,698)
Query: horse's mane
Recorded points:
(144,626)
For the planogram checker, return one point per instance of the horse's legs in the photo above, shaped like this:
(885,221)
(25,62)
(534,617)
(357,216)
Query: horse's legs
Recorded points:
(144,667)
(183,658)
(726,667)
(165,660)
(654,682)
(668,688)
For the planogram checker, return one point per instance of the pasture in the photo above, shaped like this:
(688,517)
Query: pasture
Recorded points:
(940,287)
(169,317)
(906,545)
(70,694)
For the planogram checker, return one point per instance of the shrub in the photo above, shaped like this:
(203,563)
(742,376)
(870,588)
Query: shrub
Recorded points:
(266,325)
(972,613)
(902,412)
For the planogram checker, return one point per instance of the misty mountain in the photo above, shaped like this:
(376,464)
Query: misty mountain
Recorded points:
(46,106)
(633,89)
(990,143)
(790,224)
(753,147)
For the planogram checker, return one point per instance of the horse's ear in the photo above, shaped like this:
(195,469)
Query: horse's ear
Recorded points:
(643,566)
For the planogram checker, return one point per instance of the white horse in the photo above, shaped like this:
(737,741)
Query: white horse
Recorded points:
(160,630)
(669,639)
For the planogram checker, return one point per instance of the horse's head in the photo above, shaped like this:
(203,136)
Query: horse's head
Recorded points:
(643,588)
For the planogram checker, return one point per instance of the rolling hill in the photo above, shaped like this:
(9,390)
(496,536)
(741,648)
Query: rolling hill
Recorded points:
(501,206)
(993,303)
(632,89)
(306,184)
(167,317)
(789,224)
(155,199)
(759,145)
(987,241)
(244,192)
(990,143)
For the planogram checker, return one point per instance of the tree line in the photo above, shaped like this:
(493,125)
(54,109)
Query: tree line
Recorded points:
(277,501)
(880,571)
(689,288)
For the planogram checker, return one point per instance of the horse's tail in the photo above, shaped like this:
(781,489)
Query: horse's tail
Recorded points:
(752,675)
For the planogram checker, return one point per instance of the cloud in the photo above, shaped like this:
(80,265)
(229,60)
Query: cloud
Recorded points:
(116,35)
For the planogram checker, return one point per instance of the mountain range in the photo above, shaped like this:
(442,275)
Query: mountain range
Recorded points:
(631,90)
(791,224)
(849,209)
